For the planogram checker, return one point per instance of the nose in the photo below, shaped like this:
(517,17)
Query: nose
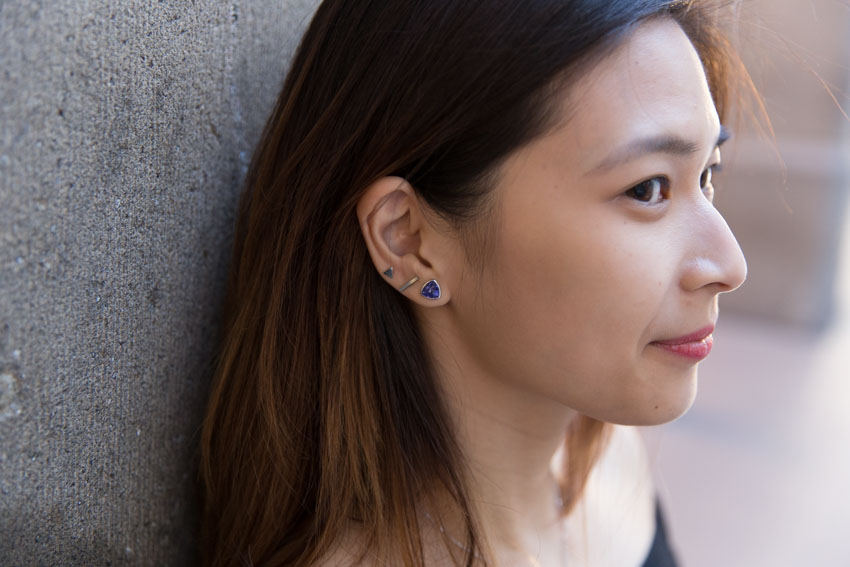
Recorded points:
(714,258)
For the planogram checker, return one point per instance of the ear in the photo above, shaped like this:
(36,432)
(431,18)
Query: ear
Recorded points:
(398,235)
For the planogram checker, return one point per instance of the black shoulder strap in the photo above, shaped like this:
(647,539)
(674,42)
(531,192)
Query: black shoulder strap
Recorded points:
(660,555)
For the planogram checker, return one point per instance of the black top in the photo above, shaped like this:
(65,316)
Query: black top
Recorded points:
(660,554)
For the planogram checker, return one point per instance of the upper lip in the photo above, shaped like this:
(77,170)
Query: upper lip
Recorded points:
(690,338)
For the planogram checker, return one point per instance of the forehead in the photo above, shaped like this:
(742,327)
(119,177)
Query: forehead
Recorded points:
(653,83)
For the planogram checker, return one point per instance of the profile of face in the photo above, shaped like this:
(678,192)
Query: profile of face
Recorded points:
(605,244)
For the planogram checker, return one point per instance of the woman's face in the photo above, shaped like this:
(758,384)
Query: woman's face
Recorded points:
(606,241)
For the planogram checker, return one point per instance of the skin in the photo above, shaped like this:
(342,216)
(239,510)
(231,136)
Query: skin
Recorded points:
(583,278)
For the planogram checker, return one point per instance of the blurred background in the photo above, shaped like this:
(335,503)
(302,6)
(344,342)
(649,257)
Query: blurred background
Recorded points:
(756,474)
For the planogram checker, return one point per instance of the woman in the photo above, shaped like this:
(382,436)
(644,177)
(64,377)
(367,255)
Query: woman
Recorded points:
(474,237)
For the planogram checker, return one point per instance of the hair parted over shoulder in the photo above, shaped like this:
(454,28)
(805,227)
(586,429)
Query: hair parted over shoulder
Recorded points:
(324,408)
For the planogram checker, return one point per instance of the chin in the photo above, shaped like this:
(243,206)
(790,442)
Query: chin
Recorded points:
(668,399)
(663,414)
(669,404)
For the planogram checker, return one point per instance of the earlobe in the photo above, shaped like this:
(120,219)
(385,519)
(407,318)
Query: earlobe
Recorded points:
(431,289)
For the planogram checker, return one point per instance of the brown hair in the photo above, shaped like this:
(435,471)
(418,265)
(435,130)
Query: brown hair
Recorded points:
(324,408)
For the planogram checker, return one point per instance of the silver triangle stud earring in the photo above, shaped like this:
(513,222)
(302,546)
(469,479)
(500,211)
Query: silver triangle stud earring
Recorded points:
(389,272)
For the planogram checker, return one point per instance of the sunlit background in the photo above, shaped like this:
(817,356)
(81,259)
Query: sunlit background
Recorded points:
(758,472)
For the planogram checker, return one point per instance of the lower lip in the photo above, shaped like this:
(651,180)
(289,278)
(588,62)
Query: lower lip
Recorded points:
(696,350)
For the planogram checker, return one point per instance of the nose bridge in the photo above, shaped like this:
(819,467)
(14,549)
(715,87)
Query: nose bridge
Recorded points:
(714,255)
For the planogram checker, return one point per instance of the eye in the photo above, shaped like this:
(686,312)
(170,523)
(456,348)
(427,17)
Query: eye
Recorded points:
(705,180)
(652,191)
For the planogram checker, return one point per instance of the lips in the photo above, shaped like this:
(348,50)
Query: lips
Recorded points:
(693,337)
(695,346)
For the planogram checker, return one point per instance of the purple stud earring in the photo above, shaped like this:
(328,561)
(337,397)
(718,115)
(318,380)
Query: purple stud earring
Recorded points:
(431,290)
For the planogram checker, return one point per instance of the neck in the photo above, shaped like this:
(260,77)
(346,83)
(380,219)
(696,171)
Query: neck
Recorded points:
(509,459)
(508,438)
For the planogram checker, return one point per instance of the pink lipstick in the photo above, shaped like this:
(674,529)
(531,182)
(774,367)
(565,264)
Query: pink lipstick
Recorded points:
(695,346)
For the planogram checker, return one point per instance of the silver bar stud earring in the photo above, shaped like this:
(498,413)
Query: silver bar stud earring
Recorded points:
(410,283)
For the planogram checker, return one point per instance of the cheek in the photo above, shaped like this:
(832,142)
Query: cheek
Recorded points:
(593,285)
(569,303)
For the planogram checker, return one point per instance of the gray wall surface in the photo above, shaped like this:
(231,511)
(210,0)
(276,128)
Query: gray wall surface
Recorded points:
(125,131)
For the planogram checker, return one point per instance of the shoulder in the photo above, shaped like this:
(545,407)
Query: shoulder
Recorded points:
(616,514)
(626,453)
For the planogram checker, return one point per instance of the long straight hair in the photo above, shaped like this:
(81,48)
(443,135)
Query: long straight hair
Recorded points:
(325,409)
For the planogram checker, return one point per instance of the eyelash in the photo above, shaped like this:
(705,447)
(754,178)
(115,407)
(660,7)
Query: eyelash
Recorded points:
(664,185)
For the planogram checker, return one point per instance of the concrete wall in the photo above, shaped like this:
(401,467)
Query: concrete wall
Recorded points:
(125,130)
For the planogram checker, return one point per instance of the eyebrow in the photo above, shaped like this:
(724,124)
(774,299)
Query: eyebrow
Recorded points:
(653,145)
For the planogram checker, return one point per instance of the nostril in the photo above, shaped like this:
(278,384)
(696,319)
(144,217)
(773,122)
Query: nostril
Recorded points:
(726,288)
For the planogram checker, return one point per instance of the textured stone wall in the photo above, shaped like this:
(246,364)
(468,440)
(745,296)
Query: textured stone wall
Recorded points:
(125,130)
